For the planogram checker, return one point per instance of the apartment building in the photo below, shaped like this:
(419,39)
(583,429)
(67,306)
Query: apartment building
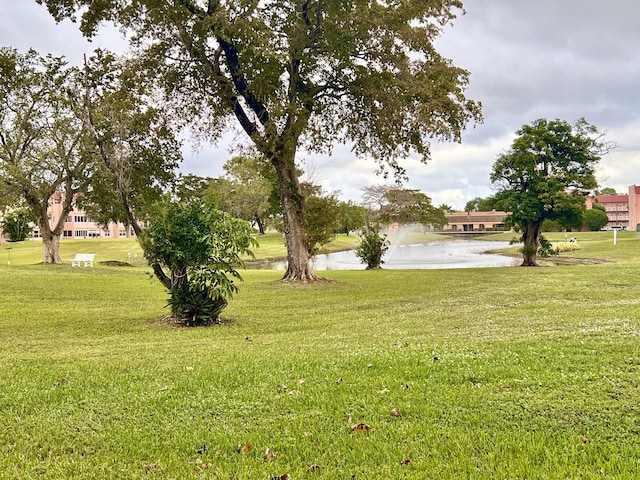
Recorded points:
(623,210)
(474,221)
(77,224)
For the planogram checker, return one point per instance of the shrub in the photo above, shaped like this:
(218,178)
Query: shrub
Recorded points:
(372,248)
(200,247)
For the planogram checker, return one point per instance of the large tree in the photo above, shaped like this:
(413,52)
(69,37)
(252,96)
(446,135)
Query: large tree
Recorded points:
(300,73)
(42,142)
(390,204)
(545,175)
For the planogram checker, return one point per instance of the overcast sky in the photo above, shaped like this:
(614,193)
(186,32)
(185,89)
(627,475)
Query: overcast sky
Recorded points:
(528,59)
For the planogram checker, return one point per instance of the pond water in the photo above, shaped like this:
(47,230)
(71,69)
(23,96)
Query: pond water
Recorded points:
(432,255)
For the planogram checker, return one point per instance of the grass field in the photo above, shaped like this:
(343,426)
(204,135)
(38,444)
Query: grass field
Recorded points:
(506,373)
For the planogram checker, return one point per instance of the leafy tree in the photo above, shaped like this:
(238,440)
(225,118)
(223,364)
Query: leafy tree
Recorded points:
(16,225)
(321,216)
(480,204)
(595,219)
(546,174)
(299,73)
(403,206)
(372,248)
(250,190)
(42,142)
(199,247)
(351,217)
(136,148)
(607,191)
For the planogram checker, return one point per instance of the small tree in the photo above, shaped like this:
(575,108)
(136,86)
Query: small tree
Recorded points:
(199,247)
(372,248)
(546,174)
(16,225)
(595,219)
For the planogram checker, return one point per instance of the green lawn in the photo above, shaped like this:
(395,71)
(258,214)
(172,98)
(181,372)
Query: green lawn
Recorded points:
(504,373)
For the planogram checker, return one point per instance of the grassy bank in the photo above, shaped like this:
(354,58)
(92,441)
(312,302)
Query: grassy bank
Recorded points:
(474,373)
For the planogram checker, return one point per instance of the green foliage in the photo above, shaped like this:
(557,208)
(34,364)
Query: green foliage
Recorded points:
(595,219)
(545,175)
(391,204)
(201,247)
(321,213)
(480,204)
(372,248)
(16,225)
(352,217)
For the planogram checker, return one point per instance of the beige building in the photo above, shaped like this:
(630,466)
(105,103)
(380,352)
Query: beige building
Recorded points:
(474,221)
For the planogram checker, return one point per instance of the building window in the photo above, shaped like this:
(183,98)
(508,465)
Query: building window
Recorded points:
(80,219)
(81,233)
(122,232)
(67,234)
(36,233)
(481,226)
(68,218)
(94,234)
(106,233)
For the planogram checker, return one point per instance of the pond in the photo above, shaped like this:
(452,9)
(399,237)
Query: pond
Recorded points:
(432,255)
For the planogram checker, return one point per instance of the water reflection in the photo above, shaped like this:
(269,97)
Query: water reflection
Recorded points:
(433,255)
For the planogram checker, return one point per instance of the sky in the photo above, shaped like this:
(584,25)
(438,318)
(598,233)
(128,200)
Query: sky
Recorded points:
(554,59)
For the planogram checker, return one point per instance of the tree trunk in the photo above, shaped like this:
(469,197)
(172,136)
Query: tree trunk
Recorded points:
(298,254)
(531,238)
(50,242)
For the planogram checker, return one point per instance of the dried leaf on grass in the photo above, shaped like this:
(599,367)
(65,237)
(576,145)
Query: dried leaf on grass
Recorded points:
(243,448)
(361,427)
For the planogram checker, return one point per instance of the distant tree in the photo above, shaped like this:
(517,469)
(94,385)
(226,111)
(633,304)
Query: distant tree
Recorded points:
(607,191)
(595,219)
(299,73)
(546,174)
(351,217)
(479,204)
(321,216)
(447,208)
(393,204)
(16,225)
(42,143)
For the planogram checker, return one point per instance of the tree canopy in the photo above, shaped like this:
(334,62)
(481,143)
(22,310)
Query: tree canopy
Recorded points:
(545,174)
(42,142)
(390,204)
(299,73)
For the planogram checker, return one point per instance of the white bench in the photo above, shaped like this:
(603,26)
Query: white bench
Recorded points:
(85,259)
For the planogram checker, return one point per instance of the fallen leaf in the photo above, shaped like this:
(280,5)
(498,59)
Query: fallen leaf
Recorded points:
(384,390)
(361,427)
(294,392)
(198,461)
(313,468)
(163,389)
(189,368)
(269,455)
(584,439)
(247,339)
(301,381)
(395,412)
(506,387)
(339,381)
(207,465)
(281,386)
(285,476)
(244,448)
(405,387)
(406,461)
(61,381)
(370,365)
(350,418)
(436,359)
